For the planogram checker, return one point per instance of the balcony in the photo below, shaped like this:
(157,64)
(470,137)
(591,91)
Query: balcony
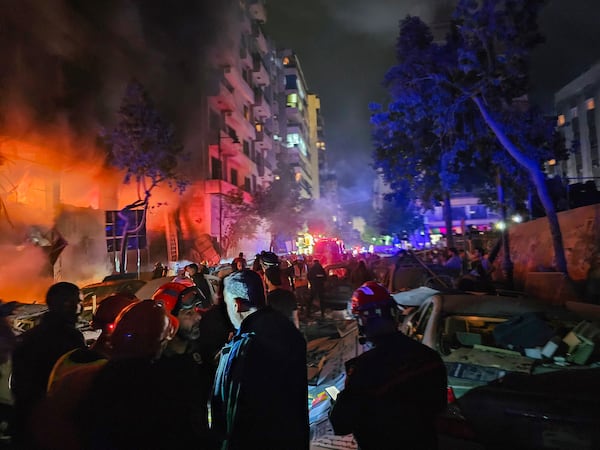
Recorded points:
(223,99)
(263,141)
(238,122)
(259,38)
(235,79)
(260,74)
(262,108)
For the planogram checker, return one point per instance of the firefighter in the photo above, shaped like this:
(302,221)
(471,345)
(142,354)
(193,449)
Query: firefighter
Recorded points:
(393,391)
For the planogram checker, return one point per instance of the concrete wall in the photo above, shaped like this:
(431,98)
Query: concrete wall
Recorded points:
(532,249)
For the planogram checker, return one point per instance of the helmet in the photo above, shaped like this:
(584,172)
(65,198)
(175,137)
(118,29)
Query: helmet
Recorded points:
(142,329)
(109,309)
(269,259)
(175,296)
(372,299)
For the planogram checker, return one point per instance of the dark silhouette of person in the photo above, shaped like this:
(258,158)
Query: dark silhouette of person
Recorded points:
(139,399)
(316,277)
(280,299)
(259,399)
(39,348)
(395,389)
(361,274)
(7,345)
(201,282)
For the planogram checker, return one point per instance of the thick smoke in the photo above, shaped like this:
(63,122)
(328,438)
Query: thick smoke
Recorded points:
(65,64)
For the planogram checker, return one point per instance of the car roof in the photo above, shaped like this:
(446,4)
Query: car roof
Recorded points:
(493,305)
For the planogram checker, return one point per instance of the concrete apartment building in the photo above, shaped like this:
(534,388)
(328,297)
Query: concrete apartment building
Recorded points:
(58,192)
(576,106)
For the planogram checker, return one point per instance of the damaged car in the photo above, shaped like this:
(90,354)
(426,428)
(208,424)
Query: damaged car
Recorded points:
(520,372)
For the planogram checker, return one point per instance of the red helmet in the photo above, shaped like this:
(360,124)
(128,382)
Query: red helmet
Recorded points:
(109,309)
(142,329)
(371,298)
(174,296)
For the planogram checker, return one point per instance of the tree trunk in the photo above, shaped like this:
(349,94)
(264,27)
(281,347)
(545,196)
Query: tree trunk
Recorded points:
(507,265)
(539,181)
(448,220)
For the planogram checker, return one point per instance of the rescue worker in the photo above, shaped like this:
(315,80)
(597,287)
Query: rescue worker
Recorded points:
(125,405)
(189,352)
(260,395)
(39,348)
(138,333)
(394,391)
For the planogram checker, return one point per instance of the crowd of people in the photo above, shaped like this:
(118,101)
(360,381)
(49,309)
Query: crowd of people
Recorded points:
(187,370)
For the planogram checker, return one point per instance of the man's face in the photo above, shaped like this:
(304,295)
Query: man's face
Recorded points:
(189,323)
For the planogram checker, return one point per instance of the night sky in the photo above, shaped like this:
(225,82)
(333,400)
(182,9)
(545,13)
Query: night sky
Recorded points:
(346,46)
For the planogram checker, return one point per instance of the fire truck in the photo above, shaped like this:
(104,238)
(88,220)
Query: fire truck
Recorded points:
(329,250)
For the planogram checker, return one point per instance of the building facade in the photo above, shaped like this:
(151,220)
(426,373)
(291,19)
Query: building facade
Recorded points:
(576,106)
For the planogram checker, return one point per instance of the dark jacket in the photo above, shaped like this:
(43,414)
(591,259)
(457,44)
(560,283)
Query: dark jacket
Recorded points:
(202,284)
(35,354)
(317,276)
(260,398)
(140,404)
(283,301)
(392,395)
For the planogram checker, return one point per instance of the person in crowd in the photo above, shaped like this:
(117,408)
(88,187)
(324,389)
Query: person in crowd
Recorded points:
(39,348)
(139,399)
(239,263)
(193,272)
(159,270)
(454,263)
(361,274)
(479,277)
(53,423)
(189,351)
(396,388)
(316,279)
(279,299)
(7,345)
(260,393)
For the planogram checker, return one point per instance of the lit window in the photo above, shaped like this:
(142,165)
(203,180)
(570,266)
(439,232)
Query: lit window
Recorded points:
(590,104)
(561,120)
(552,162)
(293,139)
(292,100)
(285,60)
(258,127)
(298,177)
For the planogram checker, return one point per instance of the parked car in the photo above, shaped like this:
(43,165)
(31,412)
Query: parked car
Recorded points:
(512,388)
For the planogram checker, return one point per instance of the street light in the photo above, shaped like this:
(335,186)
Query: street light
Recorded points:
(234,140)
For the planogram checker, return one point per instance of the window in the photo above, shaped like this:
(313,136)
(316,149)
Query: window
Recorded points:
(561,120)
(216,168)
(246,112)
(576,138)
(247,148)
(458,212)
(234,177)
(247,184)
(592,134)
(290,82)
(292,100)
(477,212)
